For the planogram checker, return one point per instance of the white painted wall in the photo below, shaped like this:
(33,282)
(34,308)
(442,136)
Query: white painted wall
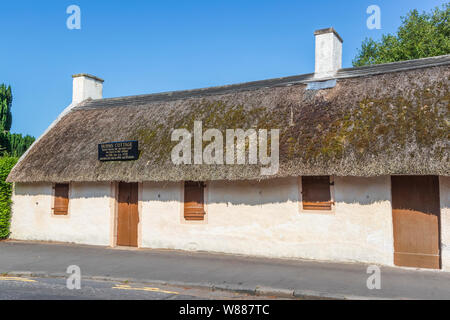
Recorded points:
(328,55)
(85,86)
(88,221)
(251,218)
(264,219)
(444,189)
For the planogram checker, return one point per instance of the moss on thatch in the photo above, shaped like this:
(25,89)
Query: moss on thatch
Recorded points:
(394,123)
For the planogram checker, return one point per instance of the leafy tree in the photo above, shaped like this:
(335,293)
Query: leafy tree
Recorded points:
(19,144)
(5,108)
(10,144)
(6,164)
(5,143)
(420,35)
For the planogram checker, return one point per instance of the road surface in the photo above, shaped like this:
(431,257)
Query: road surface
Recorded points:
(27,288)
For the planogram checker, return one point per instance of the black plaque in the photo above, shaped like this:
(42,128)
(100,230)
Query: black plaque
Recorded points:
(118,151)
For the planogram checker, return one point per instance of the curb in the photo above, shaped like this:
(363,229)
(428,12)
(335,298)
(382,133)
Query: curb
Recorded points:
(254,291)
(268,291)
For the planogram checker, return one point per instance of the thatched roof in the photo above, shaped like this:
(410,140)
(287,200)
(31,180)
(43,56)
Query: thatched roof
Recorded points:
(380,120)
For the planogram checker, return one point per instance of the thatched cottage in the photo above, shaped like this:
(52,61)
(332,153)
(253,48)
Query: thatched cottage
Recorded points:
(363,167)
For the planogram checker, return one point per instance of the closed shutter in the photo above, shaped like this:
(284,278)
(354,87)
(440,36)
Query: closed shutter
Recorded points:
(194,208)
(316,193)
(61,205)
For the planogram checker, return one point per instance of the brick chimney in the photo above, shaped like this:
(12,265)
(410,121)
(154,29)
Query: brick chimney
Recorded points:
(86,86)
(328,53)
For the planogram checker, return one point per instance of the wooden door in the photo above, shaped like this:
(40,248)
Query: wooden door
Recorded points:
(416,215)
(128,215)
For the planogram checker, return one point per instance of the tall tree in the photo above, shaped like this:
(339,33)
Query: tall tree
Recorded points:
(5,108)
(19,144)
(420,35)
(10,144)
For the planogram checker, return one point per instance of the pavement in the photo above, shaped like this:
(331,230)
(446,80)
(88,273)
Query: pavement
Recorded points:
(220,272)
(26,288)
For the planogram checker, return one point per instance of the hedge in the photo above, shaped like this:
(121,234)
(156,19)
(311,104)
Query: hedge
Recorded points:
(6,164)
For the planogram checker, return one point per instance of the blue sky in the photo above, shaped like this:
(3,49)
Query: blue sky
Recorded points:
(141,47)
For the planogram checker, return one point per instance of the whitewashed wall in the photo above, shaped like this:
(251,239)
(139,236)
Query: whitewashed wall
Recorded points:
(264,219)
(251,218)
(88,221)
(445,221)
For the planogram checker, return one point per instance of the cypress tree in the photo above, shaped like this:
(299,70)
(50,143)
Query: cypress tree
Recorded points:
(5,108)
(15,144)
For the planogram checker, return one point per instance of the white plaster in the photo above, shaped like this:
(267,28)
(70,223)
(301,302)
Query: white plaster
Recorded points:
(444,187)
(328,55)
(88,221)
(264,219)
(85,87)
(250,218)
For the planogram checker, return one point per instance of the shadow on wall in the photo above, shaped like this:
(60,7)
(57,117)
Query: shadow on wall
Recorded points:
(348,190)
(363,190)
(90,190)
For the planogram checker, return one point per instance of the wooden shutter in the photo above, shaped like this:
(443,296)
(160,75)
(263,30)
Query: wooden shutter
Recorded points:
(316,193)
(194,207)
(61,205)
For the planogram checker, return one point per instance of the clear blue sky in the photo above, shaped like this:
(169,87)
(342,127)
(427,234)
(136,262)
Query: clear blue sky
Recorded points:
(143,47)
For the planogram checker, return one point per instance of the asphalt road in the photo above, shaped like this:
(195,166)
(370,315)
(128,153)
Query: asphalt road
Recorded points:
(246,274)
(25,288)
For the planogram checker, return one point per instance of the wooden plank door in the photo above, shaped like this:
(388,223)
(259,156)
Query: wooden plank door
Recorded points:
(416,216)
(128,215)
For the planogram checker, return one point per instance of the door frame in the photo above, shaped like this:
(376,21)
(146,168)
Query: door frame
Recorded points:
(114,203)
(441,267)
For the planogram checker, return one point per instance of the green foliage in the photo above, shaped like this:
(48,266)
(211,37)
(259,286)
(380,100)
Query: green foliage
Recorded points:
(13,145)
(421,35)
(19,144)
(5,108)
(5,143)
(6,164)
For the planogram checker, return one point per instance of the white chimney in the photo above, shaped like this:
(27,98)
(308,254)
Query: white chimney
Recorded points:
(86,86)
(328,53)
